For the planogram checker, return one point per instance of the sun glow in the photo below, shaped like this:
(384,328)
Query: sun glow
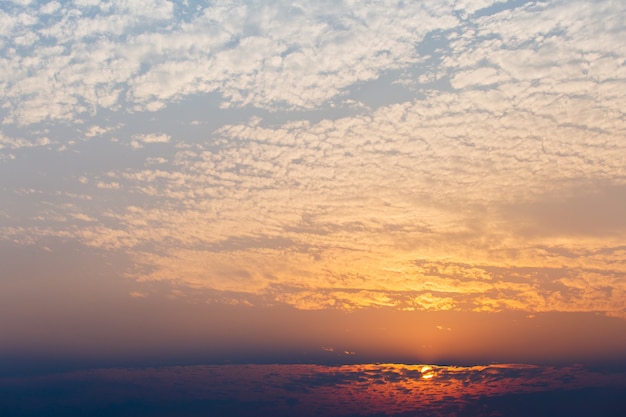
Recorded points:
(427,372)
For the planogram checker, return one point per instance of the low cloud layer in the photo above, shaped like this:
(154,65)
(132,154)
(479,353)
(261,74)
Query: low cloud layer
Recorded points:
(309,390)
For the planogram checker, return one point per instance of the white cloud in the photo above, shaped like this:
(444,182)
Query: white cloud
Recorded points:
(50,7)
(281,56)
(468,7)
(87,3)
(300,59)
(110,186)
(142,139)
(351,204)
(18,143)
(341,212)
(477,77)
(96,130)
(22,3)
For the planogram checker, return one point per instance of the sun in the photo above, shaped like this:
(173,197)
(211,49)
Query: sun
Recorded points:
(427,372)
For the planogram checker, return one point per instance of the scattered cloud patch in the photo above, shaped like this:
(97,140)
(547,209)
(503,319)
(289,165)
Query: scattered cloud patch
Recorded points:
(140,140)
(495,183)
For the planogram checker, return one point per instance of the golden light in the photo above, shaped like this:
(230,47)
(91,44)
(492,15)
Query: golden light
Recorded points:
(427,372)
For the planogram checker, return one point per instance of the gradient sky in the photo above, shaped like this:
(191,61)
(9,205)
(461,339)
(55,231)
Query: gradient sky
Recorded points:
(406,179)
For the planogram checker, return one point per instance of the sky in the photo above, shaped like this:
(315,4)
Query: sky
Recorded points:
(312,181)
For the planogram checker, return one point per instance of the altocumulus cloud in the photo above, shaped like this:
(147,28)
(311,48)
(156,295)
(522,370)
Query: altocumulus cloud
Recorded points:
(451,199)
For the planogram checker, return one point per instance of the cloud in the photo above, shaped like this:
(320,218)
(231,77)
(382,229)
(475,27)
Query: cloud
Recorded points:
(331,390)
(296,58)
(459,197)
(50,7)
(22,3)
(96,130)
(141,139)
(136,294)
(262,55)
(340,213)
(111,185)
(19,143)
(582,209)
(477,77)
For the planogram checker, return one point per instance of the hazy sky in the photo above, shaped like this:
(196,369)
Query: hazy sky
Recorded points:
(175,167)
